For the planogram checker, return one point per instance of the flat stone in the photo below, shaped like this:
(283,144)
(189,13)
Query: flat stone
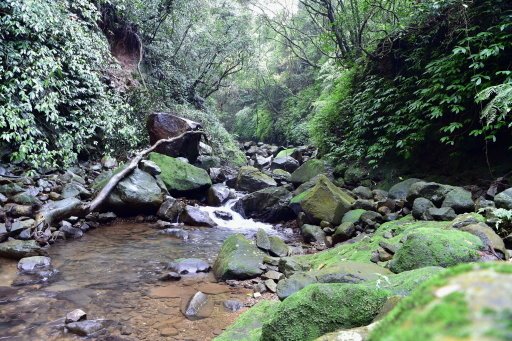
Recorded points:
(271,285)
(87,327)
(34,264)
(75,316)
(18,249)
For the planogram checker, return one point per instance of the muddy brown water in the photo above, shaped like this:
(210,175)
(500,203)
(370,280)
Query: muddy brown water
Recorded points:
(112,273)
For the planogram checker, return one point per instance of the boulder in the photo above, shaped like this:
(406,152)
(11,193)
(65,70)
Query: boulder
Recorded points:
(207,161)
(165,125)
(488,237)
(87,327)
(420,207)
(441,214)
(18,249)
(309,170)
(137,193)
(239,258)
(323,308)
(281,175)
(353,216)
(313,234)
(399,191)
(269,204)
(181,178)
(185,266)
(75,316)
(436,247)
(294,283)
(218,194)
(363,192)
(290,152)
(199,307)
(250,180)
(74,190)
(343,232)
(286,163)
(34,264)
(459,200)
(171,209)
(504,199)
(432,191)
(278,247)
(466,302)
(193,216)
(323,202)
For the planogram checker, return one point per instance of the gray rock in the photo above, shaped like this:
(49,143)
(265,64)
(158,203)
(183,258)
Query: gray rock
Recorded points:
(420,208)
(313,234)
(233,305)
(294,283)
(75,190)
(176,233)
(218,194)
(250,180)
(432,191)
(71,232)
(189,266)
(193,216)
(271,285)
(170,276)
(441,214)
(278,247)
(344,232)
(504,199)
(34,264)
(171,209)
(269,204)
(363,192)
(272,274)
(19,225)
(87,327)
(460,200)
(58,210)
(286,163)
(239,258)
(399,191)
(76,316)
(262,240)
(198,307)
(107,217)
(150,167)
(223,215)
(18,249)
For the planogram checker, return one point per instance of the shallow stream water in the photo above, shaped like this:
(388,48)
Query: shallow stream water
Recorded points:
(112,273)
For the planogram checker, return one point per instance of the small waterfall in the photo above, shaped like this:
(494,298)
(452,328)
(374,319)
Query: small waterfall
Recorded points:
(238,222)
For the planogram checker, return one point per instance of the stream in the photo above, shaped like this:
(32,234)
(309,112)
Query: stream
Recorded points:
(112,273)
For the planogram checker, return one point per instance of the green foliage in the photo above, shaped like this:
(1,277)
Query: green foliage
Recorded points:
(54,101)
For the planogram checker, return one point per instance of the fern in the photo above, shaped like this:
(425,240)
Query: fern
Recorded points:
(500,102)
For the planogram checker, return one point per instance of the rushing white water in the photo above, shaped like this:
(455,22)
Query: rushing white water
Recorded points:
(238,222)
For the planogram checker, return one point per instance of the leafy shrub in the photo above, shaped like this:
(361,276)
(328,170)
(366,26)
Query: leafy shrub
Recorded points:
(54,101)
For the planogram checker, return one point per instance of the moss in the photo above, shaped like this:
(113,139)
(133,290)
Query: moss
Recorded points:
(323,308)
(428,247)
(103,178)
(353,216)
(180,176)
(247,327)
(309,170)
(362,250)
(286,152)
(422,317)
(239,258)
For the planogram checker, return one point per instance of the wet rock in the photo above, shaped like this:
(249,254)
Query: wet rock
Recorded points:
(189,266)
(223,215)
(71,232)
(286,163)
(18,249)
(181,178)
(324,201)
(269,204)
(171,276)
(34,264)
(26,198)
(165,125)
(171,209)
(76,316)
(250,180)
(271,285)
(87,327)
(432,191)
(150,167)
(233,305)
(207,161)
(343,232)
(262,240)
(193,216)
(278,248)
(107,217)
(19,225)
(218,194)
(198,307)
(239,258)
(176,233)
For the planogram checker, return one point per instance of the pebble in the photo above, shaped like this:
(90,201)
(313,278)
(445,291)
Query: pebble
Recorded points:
(75,316)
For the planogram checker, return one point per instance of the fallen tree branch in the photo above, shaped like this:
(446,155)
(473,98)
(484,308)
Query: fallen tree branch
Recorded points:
(112,183)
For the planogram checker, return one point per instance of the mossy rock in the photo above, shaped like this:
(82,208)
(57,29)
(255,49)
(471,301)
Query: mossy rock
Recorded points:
(179,177)
(362,249)
(467,302)
(239,258)
(355,174)
(309,170)
(353,216)
(247,326)
(431,247)
(322,308)
(250,180)
(292,152)
(323,202)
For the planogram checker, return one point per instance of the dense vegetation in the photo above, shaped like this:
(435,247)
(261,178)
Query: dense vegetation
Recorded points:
(364,80)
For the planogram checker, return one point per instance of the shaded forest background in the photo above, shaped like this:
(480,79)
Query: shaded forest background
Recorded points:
(406,84)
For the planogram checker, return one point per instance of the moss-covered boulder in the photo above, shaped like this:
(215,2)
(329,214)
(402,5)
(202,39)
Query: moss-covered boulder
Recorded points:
(323,202)
(322,308)
(239,258)
(181,178)
(353,216)
(250,180)
(248,325)
(468,302)
(436,247)
(290,152)
(399,191)
(309,170)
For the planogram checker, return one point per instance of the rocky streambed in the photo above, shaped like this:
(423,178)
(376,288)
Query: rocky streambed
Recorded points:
(326,251)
